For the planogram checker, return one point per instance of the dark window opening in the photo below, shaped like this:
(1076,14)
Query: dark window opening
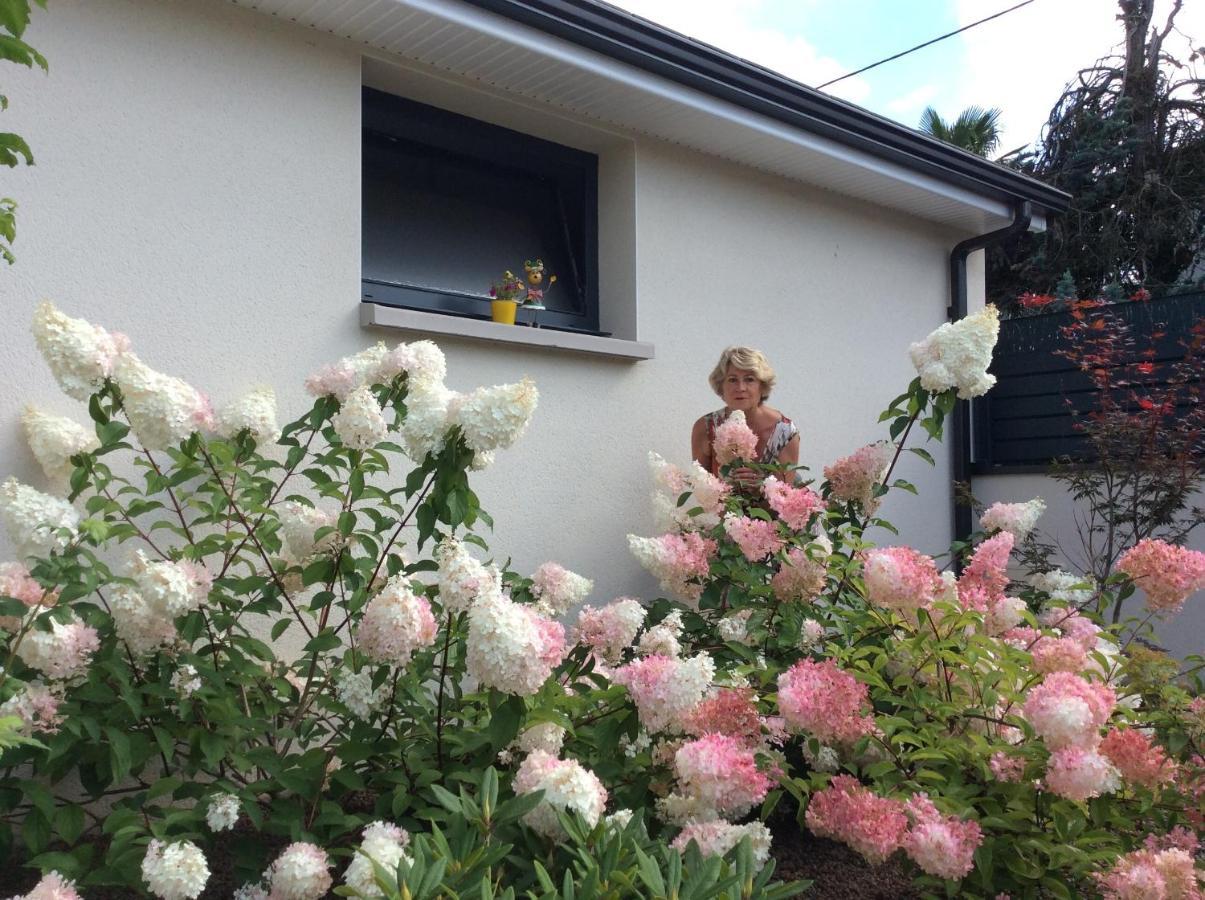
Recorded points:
(450,202)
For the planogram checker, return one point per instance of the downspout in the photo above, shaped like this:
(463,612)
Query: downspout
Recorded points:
(960,421)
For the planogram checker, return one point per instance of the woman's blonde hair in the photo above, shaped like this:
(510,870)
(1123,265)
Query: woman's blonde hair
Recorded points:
(743,358)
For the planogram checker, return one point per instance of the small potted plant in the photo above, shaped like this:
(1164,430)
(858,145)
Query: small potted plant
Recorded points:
(505,296)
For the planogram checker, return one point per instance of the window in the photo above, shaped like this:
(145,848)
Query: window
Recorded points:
(450,202)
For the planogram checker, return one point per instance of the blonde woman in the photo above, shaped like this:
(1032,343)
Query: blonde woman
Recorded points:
(743,379)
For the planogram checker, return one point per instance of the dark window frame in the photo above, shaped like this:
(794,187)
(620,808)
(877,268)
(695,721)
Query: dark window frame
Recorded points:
(388,118)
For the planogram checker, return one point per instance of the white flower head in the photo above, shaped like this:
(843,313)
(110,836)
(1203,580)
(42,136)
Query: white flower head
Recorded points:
(426,423)
(1018,519)
(382,843)
(957,355)
(354,690)
(33,519)
(493,418)
(298,524)
(301,872)
(255,413)
(222,812)
(80,355)
(186,681)
(462,579)
(511,647)
(567,785)
(162,410)
(359,422)
(175,871)
(546,736)
(54,440)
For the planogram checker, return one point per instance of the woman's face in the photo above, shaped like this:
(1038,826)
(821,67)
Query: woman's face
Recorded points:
(741,389)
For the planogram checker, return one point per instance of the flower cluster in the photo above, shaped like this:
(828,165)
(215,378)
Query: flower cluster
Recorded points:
(982,583)
(557,589)
(941,845)
(853,478)
(355,691)
(144,614)
(734,440)
(1168,874)
(729,711)
(299,524)
(80,355)
(162,410)
(511,647)
(301,872)
(253,413)
(16,582)
(794,505)
(900,578)
(719,772)
(396,623)
(678,561)
(493,418)
(1138,758)
(1166,572)
(1069,711)
(717,837)
(462,579)
(33,519)
(567,786)
(757,538)
(359,422)
(382,843)
(36,706)
(222,812)
(846,811)
(957,355)
(666,688)
(1018,519)
(609,630)
(61,654)
(54,440)
(53,886)
(176,871)
(822,700)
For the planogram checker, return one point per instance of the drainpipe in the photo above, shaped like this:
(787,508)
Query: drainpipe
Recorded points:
(960,421)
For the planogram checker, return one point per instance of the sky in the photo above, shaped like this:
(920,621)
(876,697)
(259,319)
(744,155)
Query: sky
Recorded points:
(1019,62)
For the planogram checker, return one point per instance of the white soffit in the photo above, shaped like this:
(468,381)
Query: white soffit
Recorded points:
(456,38)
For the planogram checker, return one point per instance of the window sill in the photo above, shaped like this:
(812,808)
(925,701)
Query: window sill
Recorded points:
(379,316)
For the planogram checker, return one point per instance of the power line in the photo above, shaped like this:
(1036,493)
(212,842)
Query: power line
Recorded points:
(921,46)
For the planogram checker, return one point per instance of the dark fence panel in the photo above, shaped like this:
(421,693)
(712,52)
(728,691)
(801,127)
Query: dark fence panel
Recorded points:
(1026,420)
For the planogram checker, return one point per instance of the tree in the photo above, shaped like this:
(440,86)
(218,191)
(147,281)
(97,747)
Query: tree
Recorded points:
(976,129)
(1127,141)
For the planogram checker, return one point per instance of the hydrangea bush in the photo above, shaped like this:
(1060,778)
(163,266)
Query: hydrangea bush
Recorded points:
(248,660)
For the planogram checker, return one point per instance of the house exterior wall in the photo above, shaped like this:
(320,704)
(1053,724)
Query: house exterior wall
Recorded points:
(197,188)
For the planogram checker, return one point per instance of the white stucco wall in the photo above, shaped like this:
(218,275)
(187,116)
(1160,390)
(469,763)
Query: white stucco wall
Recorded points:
(197,187)
(1182,634)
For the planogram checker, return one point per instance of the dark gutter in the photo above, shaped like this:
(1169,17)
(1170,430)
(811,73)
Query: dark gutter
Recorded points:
(638,42)
(960,430)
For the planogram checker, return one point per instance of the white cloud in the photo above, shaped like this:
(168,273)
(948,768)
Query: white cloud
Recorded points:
(908,107)
(728,24)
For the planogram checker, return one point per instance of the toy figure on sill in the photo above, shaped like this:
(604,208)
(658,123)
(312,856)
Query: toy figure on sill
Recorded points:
(535,293)
(511,292)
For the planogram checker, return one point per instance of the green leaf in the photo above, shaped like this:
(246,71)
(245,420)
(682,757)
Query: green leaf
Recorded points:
(326,639)
(505,722)
(14,16)
(280,628)
(69,822)
(13,148)
(119,753)
(15,50)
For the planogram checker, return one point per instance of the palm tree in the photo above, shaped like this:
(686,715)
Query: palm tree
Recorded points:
(976,129)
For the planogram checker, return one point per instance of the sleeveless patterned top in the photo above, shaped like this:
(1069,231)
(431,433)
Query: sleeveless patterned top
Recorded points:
(784,430)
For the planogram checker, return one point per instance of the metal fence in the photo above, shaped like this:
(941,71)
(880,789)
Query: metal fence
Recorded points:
(1027,419)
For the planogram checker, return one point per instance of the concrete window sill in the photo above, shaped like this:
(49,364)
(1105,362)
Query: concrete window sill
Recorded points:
(379,316)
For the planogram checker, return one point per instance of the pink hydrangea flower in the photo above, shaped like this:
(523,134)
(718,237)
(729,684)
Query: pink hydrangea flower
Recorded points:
(1080,774)
(800,577)
(301,872)
(678,561)
(982,583)
(37,706)
(720,772)
(666,688)
(566,784)
(717,837)
(850,813)
(1167,573)
(609,630)
(853,478)
(1058,654)
(1168,874)
(730,711)
(1068,711)
(900,578)
(1139,759)
(794,505)
(53,886)
(1006,768)
(396,623)
(16,582)
(941,845)
(557,589)
(63,653)
(757,538)
(1073,625)
(822,700)
(1179,838)
(734,440)
(511,647)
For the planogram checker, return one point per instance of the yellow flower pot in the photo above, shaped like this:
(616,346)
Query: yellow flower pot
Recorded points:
(504,311)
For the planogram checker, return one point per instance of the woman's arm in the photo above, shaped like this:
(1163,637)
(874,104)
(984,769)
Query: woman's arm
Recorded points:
(700,445)
(788,458)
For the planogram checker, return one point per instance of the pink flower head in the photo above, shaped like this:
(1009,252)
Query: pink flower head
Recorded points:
(1166,572)
(1179,838)
(757,538)
(301,872)
(16,582)
(800,577)
(720,771)
(53,886)
(822,700)
(37,706)
(982,583)
(1073,625)
(512,647)
(557,589)
(1137,757)
(1080,774)
(609,630)
(853,478)
(734,440)
(848,812)
(665,689)
(63,653)
(941,845)
(1062,654)
(1149,874)
(334,379)
(1068,711)
(900,578)
(678,561)
(731,711)
(794,505)
(396,623)
(716,837)
(1007,768)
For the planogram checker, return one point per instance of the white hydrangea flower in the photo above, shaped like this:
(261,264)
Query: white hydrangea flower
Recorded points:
(52,886)
(162,410)
(1018,519)
(811,635)
(63,653)
(171,588)
(222,813)
(80,355)
(511,647)
(493,418)
(359,422)
(1064,586)
(382,843)
(54,440)
(254,412)
(32,519)
(567,785)
(301,872)
(396,623)
(548,737)
(735,627)
(426,422)
(141,626)
(422,361)
(662,638)
(354,690)
(618,820)
(250,892)
(462,579)
(716,838)
(957,355)
(556,589)
(634,747)
(175,871)
(825,758)
(298,523)
(1004,615)
(186,681)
